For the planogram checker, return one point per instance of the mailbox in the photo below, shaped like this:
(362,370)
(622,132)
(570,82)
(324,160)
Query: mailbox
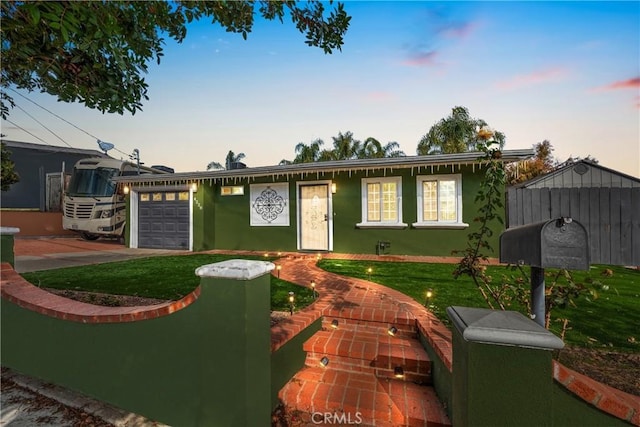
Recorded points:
(559,243)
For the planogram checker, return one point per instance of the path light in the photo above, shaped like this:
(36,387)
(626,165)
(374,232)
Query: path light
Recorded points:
(291,300)
(313,288)
(392,331)
(429,295)
(278,268)
(279,254)
(266,254)
(334,323)
(369,271)
(398,372)
(324,361)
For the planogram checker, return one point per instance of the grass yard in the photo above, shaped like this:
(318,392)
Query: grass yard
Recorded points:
(611,321)
(165,277)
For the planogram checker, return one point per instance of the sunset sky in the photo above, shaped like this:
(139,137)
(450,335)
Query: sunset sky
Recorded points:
(568,72)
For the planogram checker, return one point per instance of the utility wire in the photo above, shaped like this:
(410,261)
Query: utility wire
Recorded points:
(24,130)
(41,124)
(63,119)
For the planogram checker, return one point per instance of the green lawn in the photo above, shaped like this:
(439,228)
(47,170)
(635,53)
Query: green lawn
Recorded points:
(165,277)
(612,320)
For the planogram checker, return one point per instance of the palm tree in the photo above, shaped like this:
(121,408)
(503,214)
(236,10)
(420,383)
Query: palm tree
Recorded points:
(455,134)
(229,160)
(345,147)
(373,149)
(308,153)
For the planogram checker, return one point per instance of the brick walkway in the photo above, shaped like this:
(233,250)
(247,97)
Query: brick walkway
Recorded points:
(370,376)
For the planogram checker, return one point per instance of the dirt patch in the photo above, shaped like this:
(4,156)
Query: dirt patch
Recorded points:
(110,300)
(107,300)
(618,370)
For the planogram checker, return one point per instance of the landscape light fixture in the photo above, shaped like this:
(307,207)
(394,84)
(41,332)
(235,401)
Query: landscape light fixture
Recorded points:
(334,323)
(392,331)
(369,271)
(429,295)
(313,288)
(278,268)
(291,300)
(266,254)
(398,372)
(324,361)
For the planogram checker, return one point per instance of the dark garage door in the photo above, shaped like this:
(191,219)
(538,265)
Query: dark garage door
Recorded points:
(163,220)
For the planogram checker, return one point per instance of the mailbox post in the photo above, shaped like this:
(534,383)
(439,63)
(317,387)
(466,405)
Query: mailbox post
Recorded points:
(558,243)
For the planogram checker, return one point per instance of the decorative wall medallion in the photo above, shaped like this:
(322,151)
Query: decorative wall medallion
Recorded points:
(269,204)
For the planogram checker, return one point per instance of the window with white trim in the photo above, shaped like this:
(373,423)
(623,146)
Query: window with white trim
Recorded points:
(439,201)
(382,203)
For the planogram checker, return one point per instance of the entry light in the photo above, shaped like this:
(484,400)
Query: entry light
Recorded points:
(194,187)
(334,188)
(324,361)
(125,190)
(392,331)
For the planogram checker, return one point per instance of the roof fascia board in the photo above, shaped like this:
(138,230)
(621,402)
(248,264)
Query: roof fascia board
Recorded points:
(467,158)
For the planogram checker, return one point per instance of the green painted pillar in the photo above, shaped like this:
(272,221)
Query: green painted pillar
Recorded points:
(236,354)
(6,244)
(502,369)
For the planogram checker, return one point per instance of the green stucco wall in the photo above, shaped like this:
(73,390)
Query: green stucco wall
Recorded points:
(289,359)
(6,248)
(571,411)
(208,364)
(229,217)
(441,376)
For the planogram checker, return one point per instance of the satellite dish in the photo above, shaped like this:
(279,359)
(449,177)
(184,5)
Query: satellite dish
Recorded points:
(105,146)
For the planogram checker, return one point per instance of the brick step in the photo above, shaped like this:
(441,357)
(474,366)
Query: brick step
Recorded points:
(356,325)
(413,374)
(372,352)
(361,398)
(390,314)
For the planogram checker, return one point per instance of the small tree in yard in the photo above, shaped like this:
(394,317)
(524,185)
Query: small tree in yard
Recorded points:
(561,291)
(9,175)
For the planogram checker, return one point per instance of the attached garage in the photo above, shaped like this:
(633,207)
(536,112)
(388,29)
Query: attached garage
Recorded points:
(163,219)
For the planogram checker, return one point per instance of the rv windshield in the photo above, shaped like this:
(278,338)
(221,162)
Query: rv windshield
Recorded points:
(92,182)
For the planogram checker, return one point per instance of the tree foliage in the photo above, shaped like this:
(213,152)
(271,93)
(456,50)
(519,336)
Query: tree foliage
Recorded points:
(228,161)
(97,52)
(542,163)
(345,147)
(9,175)
(456,134)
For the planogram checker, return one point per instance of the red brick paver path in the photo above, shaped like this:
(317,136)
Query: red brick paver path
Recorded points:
(359,383)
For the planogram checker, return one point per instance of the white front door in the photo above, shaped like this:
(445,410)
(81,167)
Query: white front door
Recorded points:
(314,217)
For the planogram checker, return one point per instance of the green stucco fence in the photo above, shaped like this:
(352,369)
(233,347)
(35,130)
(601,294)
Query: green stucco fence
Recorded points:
(206,364)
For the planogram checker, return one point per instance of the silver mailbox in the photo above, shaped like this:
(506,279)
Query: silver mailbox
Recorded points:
(559,243)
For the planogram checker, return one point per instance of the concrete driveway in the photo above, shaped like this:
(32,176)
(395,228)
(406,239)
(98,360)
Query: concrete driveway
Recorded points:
(33,254)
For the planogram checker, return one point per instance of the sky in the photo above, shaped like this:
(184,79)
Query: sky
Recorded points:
(567,72)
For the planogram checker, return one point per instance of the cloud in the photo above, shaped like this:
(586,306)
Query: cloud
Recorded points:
(458,30)
(379,96)
(548,75)
(633,83)
(421,59)
(436,31)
